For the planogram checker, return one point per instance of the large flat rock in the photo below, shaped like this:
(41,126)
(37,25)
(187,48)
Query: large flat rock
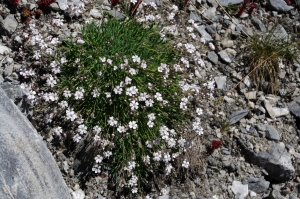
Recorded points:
(27,168)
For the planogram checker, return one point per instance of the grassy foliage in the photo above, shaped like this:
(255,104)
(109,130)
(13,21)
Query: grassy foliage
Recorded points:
(121,68)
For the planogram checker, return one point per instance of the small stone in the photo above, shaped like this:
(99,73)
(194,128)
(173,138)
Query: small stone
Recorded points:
(294,107)
(272,133)
(9,24)
(118,15)
(210,13)
(281,111)
(258,24)
(239,189)
(251,95)
(95,13)
(221,82)
(269,108)
(252,194)
(4,50)
(203,33)
(194,16)
(227,43)
(78,194)
(280,5)
(228,99)
(8,70)
(211,29)
(213,57)
(224,56)
(237,116)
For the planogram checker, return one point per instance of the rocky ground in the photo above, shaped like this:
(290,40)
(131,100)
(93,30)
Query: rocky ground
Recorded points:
(259,132)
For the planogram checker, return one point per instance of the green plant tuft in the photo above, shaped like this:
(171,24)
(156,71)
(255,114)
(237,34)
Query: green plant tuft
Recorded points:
(124,55)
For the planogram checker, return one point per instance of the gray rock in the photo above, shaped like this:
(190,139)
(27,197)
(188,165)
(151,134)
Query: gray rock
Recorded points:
(210,13)
(276,195)
(226,43)
(240,190)
(258,24)
(280,5)
(211,29)
(62,4)
(203,33)
(294,107)
(237,116)
(226,2)
(9,24)
(279,33)
(213,57)
(194,16)
(95,13)
(260,127)
(251,95)
(4,50)
(258,185)
(225,57)
(221,82)
(213,3)
(269,108)
(118,15)
(8,70)
(28,170)
(239,27)
(276,161)
(248,31)
(1,79)
(272,133)
(281,111)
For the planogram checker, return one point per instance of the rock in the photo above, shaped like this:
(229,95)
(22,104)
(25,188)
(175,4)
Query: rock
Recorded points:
(281,111)
(279,33)
(118,15)
(194,16)
(240,190)
(4,50)
(62,4)
(258,185)
(226,43)
(269,108)
(8,70)
(252,194)
(210,13)
(78,194)
(225,57)
(221,82)
(213,3)
(280,5)
(251,95)
(9,24)
(276,161)
(237,116)
(276,195)
(211,29)
(226,2)
(163,197)
(272,133)
(258,24)
(228,99)
(28,169)
(213,57)
(95,13)
(1,79)
(294,107)
(203,33)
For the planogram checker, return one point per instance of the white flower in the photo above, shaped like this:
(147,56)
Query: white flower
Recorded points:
(215,197)
(133,125)
(136,58)
(57,131)
(31,95)
(175,8)
(151,116)
(132,71)
(96,169)
(109,61)
(127,80)
(107,154)
(97,129)
(82,129)
(118,90)
(158,96)
(121,129)
(102,59)
(80,41)
(79,93)
(150,124)
(133,1)
(36,55)
(157,156)
(149,102)
(63,104)
(190,48)
(63,60)
(76,138)
(96,92)
(185,164)
(171,142)
(181,142)
(164,191)
(71,115)
(202,40)
(171,16)
(98,159)
(51,81)
(67,93)
(168,169)
(199,111)
(134,190)
(131,91)
(134,105)
(108,95)
(112,121)
(143,96)
(144,64)
(167,157)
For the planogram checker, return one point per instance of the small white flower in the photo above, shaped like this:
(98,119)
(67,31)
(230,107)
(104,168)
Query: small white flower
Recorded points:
(76,138)
(80,41)
(156,156)
(112,121)
(71,115)
(97,129)
(31,95)
(121,129)
(96,169)
(133,125)
(67,93)
(63,104)
(98,159)
(136,58)
(118,90)
(150,124)
(57,131)
(36,55)
(185,164)
(149,102)
(134,105)
(158,96)
(51,81)
(82,129)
